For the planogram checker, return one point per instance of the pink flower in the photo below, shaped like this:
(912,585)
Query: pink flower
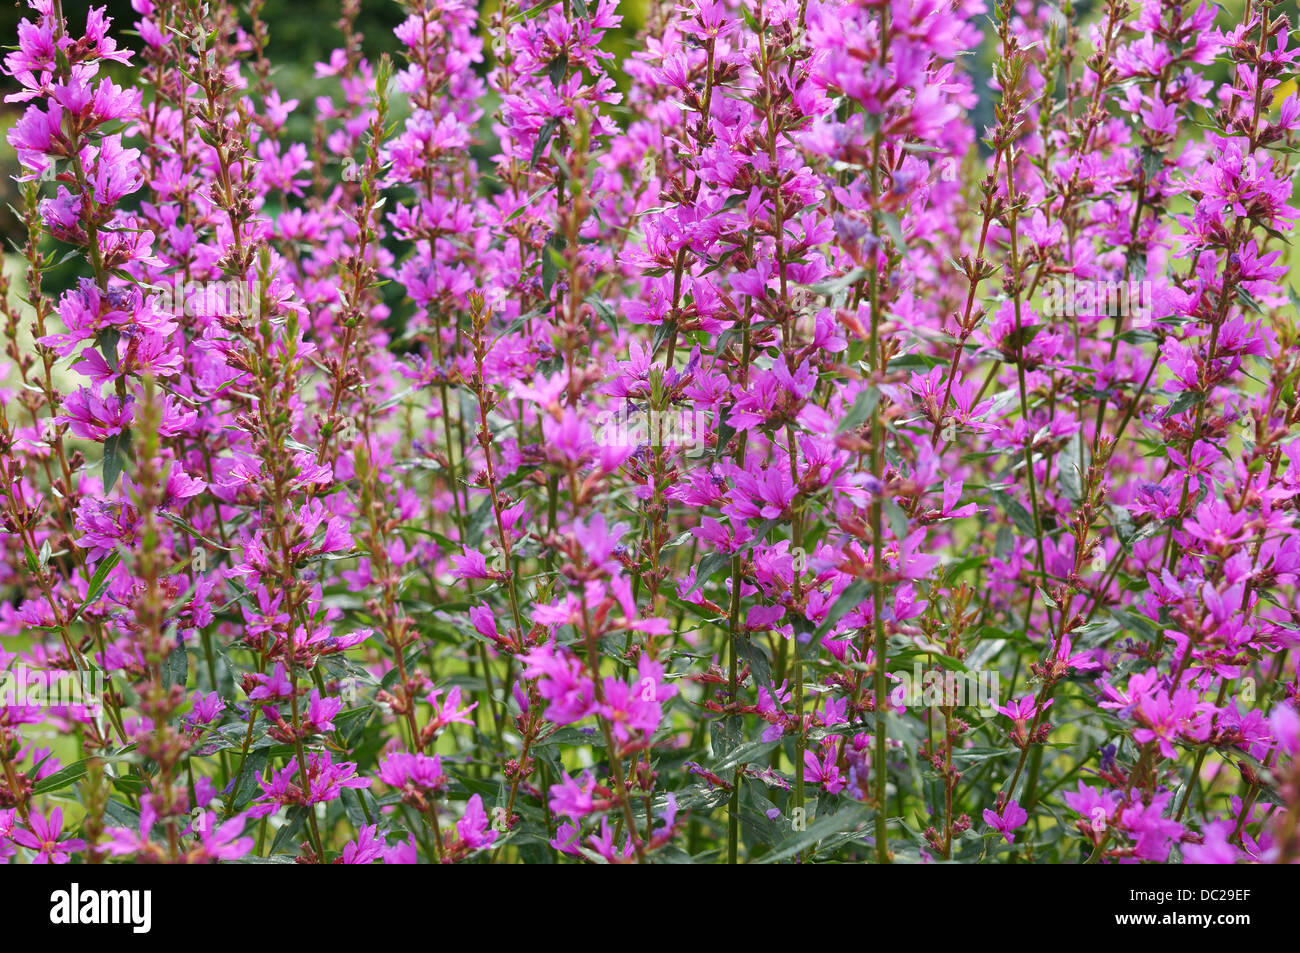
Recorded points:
(473,826)
(1012,816)
(43,834)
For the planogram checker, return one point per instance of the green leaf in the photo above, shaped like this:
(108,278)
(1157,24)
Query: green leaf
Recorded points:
(1138,625)
(1069,476)
(854,594)
(177,667)
(920,361)
(683,537)
(551,260)
(99,581)
(662,334)
(970,756)
(834,285)
(1183,403)
(847,819)
(710,566)
(60,779)
(570,736)
(725,430)
(863,407)
(108,346)
(724,735)
(248,784)
(1247,301)
(1152,162)
(894,229)
(1122,521)
(753,653)
(284,837)
(1003,542)
(748,753)
(1015,510)
(543,140)
(122,815)
(351,724)
(605,311)
(116,448)
(556,69)
(896,517)
(478,523)
(1094,633)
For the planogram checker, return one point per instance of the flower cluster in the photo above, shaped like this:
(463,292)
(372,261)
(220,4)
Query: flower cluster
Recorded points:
(319,542)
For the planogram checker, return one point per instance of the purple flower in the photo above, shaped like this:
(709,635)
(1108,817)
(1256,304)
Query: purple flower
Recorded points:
(42,835)
(1012,816)
(473,826)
